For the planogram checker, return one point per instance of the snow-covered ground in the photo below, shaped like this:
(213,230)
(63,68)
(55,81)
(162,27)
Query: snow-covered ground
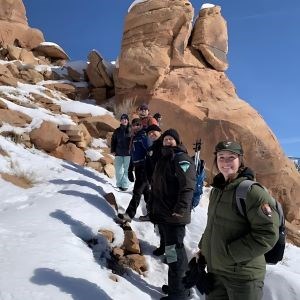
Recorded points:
(43,253)
(44,229)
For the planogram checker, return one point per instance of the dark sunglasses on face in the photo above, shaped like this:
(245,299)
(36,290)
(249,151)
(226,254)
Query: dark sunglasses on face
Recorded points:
(136,125)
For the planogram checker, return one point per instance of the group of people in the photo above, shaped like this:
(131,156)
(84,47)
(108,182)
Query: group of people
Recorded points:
(231,246)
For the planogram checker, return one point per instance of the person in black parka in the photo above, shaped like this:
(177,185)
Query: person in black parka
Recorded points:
(173,184)
(120,142)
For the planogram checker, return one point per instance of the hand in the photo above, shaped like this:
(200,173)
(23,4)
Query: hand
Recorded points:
(130,176)
(177,215)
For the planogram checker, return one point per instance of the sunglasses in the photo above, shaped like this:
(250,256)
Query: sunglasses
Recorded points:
(136,125)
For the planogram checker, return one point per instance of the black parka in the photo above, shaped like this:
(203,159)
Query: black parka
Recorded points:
(172,188)
(120,141)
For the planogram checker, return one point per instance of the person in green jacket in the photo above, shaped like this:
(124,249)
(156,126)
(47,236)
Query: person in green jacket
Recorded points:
(234,246)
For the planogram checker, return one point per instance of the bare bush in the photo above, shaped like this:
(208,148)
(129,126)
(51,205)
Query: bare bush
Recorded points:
(126,106)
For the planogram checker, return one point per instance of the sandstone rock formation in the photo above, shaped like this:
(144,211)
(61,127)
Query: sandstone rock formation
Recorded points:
(203,101)
(155,33)
(14,29)
(210,37)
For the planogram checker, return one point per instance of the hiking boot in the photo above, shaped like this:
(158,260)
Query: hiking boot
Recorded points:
(187,295)
(124,217)
(123,189)
(144,218)
(159,251)
(165,289)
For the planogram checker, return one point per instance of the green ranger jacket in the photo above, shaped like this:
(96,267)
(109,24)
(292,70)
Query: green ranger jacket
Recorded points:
(234,245)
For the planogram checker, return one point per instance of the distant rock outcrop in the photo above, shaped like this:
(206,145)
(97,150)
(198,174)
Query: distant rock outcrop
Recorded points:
(14,29)
(203,101)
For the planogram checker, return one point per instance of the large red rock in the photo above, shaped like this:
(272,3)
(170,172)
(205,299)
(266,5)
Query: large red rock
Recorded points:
(198,100)
(14,29)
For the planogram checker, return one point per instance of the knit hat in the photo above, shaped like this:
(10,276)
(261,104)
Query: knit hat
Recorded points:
(136,121)
(143,106)
(173,133)
(231,146)
(157,116)
(124,116)
(153,128)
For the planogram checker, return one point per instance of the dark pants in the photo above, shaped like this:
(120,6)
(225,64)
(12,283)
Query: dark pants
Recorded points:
(176,259)
(141,187)
(162,237)
(226,288)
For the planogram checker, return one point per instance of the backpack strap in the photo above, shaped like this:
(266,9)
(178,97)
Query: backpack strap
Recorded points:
(241,194)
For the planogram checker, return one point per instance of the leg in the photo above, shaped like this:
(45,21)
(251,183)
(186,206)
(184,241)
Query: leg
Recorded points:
(119,170)
(137,192)
(124,179)
(246,290)
(176,259)
(161,249)
(219,292)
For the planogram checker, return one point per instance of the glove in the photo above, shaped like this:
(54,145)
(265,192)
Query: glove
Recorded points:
(191,276)
(196,275)
(205,282)
(130,176)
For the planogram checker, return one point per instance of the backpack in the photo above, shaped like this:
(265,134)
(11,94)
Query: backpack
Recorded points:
(276,253)
(200,175)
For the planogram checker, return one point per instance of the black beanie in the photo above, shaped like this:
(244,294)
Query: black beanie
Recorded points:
(152,127)
(124,116)
(173,133)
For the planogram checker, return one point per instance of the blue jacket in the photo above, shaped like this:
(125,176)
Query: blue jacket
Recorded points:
(139,146)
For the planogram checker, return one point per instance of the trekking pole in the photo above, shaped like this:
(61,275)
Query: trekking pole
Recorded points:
(197,149)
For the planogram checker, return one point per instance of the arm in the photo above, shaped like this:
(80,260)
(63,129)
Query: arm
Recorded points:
(264,229)
(186,174)
(113,143)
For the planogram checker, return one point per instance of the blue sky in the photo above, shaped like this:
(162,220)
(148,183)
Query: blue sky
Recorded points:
(264,49)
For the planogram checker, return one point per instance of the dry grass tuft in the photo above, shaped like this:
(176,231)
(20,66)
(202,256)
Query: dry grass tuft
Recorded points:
(126,106)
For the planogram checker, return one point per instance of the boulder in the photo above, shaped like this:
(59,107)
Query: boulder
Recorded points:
(70,152)
(98,126)
(136,262)
(47,137)
(51,50)
(14,118)
(111,199)
(131,243)
(6,77)
(97,72)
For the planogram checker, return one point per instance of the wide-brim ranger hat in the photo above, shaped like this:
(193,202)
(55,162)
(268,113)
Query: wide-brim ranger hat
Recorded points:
(231,146)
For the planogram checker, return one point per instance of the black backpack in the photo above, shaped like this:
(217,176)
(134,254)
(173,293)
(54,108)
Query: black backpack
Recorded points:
(276,253)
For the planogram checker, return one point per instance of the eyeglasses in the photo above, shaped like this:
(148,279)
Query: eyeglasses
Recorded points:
(136,125)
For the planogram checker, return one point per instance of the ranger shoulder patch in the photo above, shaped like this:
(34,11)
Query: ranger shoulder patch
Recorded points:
(184,165)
